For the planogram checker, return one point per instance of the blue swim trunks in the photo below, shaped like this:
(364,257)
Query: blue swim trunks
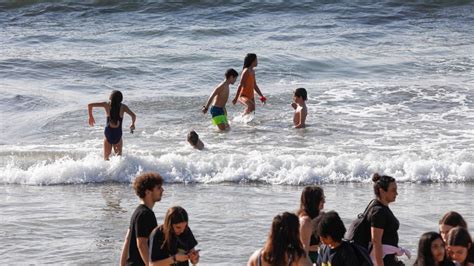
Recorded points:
(219,115)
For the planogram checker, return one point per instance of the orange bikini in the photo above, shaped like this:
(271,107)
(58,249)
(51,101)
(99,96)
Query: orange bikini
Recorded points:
(248,86)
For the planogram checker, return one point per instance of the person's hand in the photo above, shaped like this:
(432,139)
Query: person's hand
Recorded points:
(182,257)
(132,128)
(294,105)
(91,121)
(204,109)
(194,256)
(263,99)
(234,101)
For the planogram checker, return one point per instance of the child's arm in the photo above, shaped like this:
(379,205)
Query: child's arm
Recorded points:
(302,118)
(216,91)
(89,109)
(239,90)
(132,115)
(257,89)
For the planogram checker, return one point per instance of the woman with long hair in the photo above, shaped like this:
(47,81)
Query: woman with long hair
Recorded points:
(431,251)
(283,246)
(248,84)
(311,203)
(459,246)
(450,220)
(114,110)
(173,242)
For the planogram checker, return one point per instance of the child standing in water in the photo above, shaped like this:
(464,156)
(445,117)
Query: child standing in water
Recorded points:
(113,129)
(248,83)
(219,98)
(299,104)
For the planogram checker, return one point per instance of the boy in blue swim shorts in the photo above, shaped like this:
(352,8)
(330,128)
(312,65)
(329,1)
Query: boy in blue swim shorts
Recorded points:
(219,98)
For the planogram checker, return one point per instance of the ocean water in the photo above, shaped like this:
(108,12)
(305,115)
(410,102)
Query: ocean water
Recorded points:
(389,83)
(390,87)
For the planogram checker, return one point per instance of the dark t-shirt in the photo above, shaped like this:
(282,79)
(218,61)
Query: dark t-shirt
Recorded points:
(182,244)
(343,255)
(382,217)
(142,223)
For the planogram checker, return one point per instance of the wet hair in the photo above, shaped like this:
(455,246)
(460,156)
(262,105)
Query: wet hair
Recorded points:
(116,98)
(381,182)
(248,60)
(174,215)
(283,240)
(311,198)
(425,255)
(193,137)
(231,73)
(459,236)
(329,224)
(301,92)
(453,219)
(146,181)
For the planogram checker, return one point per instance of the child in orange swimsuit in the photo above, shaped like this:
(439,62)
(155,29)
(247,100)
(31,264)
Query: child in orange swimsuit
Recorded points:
(245,92)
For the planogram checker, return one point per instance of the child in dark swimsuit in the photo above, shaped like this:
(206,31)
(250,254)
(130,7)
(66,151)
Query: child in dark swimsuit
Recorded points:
(113,129)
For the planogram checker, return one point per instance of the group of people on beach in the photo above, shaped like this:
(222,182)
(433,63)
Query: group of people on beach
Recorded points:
(307,237)
(217,101)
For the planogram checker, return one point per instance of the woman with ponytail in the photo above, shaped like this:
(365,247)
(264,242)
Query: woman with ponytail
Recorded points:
(283,246)
(113,129)
(248,83)
(383,223)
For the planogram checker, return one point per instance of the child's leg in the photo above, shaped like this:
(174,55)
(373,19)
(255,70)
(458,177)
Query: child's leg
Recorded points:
(221,126)
(107,149)
(118,147)
(249,103)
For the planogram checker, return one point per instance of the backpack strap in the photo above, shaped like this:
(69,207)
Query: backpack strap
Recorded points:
(367,209)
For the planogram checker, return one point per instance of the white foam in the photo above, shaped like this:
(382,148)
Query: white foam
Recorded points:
(209,167)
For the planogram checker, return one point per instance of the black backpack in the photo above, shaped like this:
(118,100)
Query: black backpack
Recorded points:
(361,253)
(359,231)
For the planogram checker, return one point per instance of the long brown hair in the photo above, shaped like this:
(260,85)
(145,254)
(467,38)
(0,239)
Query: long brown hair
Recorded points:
(283,240)
(115,103)
(311,198)
(174,215)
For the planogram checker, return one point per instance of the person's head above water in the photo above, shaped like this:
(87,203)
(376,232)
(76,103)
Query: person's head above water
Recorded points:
(231,75)
(193,139)
(301,93)
(249,60)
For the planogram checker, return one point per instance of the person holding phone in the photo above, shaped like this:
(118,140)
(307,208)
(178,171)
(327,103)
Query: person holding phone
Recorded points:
(173,242)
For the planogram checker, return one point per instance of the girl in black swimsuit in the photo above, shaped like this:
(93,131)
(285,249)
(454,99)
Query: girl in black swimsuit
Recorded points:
(113,129)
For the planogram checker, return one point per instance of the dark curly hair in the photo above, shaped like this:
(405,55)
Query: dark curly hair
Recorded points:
(146,181)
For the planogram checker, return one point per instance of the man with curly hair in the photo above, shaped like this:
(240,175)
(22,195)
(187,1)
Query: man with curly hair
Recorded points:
(149,188)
